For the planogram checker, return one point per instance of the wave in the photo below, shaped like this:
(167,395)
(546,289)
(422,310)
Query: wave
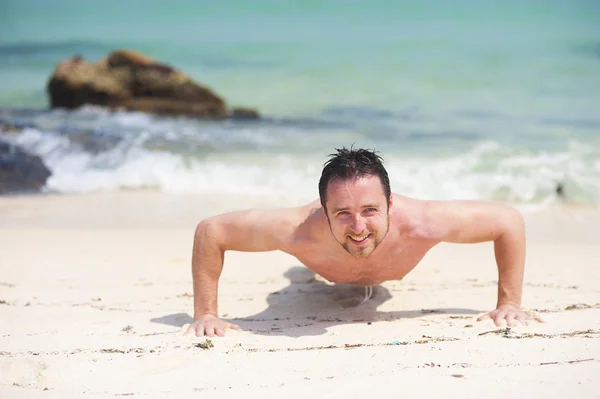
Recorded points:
(488,171)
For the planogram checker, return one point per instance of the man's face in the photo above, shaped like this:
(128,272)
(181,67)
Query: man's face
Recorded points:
(358,214)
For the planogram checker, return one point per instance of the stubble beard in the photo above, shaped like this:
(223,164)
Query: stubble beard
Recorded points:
(361,252)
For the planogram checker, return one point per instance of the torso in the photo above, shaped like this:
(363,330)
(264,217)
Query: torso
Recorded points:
(405,244)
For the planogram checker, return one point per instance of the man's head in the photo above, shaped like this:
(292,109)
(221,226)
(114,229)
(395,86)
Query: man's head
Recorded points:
(356,197)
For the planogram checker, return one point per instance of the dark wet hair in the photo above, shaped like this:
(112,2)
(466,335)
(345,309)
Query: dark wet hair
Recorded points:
(350,163)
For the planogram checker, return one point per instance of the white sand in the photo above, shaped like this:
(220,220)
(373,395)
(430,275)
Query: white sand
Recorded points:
(95,293)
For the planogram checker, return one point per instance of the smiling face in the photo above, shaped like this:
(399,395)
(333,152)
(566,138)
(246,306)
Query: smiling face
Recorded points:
(358,214)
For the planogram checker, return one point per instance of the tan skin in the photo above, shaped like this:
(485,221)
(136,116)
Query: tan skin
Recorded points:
(359,239)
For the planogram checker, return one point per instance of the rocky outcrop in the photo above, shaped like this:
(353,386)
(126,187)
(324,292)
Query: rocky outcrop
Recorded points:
(132,81)
(20,171)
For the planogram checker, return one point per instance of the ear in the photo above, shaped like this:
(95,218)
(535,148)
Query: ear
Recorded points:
(391,202)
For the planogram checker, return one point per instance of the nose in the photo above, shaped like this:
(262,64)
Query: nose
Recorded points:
(358,224)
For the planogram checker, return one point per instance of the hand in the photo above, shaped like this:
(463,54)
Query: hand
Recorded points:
(512,315)
(209,325)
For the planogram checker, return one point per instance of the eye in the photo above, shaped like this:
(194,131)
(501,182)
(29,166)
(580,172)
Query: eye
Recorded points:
(343,214)
(370,211)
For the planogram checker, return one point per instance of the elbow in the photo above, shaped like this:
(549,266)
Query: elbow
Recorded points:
(209,225)
(203,226)
(207,232)
(514,223)
(517,219)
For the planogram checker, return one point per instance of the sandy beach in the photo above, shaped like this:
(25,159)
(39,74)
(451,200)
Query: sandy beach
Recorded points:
(131,121)
(95,292)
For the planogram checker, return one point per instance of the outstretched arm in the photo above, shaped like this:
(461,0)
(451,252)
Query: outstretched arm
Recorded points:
(248,231)
(473,222)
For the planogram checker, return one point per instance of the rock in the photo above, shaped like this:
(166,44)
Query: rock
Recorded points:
(243,113)
(163,106)
(14,128)
(135,82)
(20,171)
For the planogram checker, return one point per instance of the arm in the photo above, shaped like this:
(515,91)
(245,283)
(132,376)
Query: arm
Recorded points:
(248,231)
(473,222)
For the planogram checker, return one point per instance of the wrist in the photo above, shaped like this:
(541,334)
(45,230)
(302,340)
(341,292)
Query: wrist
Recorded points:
(512,304)
(203,313)
(508,296)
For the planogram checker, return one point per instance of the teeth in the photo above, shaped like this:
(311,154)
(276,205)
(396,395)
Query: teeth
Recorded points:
(360,238)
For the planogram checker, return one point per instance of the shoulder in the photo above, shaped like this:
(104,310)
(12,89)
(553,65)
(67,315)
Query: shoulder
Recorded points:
(309,221)
(421,219)
(265,228)
(462,220)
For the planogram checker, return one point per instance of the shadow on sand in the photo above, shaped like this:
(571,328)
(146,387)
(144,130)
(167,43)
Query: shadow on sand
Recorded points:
(308,306)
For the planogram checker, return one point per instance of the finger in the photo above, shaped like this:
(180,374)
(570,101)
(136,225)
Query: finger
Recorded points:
(192,330)
(538,318)
(189,331)
(200,330)
(484,317)
(499,319)
(532,315)
(235,327)
(209,330)
(521,319)
(220,332)
(510,320)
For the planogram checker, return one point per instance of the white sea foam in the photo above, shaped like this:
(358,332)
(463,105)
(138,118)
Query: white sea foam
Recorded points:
(487,171)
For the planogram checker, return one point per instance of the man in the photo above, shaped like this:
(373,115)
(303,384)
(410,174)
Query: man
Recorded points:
(359,233)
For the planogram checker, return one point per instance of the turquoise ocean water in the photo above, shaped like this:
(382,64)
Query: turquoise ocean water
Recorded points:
(464,99)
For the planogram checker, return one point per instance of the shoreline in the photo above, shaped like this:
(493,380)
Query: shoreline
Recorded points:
(101,154)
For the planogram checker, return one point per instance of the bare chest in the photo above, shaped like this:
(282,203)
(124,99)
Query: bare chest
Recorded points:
(389,263)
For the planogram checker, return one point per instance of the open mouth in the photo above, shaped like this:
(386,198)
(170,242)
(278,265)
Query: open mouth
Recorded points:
(359,240)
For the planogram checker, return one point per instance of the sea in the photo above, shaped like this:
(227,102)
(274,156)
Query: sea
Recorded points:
(463,99)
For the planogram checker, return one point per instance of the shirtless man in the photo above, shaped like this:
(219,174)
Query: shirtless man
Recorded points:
(361,233)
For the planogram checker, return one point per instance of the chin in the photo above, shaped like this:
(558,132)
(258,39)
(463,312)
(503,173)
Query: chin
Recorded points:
(360,254)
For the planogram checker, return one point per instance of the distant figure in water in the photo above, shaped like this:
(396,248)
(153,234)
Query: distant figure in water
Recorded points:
(359,232)
(560,191)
